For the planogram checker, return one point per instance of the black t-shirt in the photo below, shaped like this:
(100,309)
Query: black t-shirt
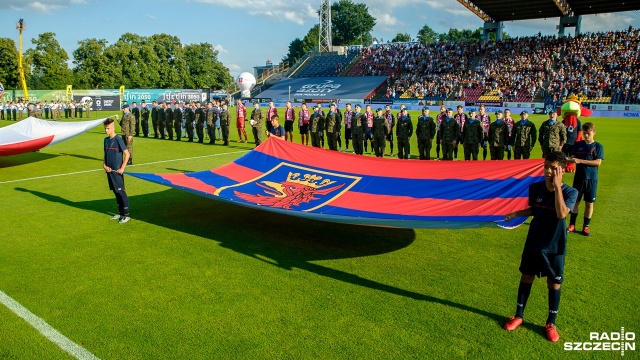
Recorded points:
(113,149)
(584,151)
(548,234)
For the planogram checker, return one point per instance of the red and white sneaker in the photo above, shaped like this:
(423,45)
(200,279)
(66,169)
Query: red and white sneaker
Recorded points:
(552,332)
(513,323)
(571,228)
(586,231)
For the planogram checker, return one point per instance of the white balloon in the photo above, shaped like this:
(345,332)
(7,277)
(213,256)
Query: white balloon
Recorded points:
(246,81)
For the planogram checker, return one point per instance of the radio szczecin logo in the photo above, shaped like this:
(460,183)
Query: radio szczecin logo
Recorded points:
(606,341)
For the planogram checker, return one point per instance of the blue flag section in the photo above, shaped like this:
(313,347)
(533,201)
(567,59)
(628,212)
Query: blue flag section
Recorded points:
(317,88)
(303,181)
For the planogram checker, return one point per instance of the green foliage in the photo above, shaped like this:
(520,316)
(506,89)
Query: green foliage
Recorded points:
(427,35)
(9,59)
(401,38)
(93,70)
(469,35)
(297,48)
(204,69)
(351,22)
(49,69)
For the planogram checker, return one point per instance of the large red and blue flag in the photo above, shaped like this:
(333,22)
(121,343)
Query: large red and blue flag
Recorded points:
(314,183)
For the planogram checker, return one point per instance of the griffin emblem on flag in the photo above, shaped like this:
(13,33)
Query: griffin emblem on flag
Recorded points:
(293,187)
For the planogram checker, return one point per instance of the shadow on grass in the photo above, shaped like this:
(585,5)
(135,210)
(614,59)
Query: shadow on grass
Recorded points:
(179,170)
(22,159)
(84,157)
(283,241)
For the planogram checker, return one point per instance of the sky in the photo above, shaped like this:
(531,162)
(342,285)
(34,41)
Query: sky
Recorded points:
(247,33)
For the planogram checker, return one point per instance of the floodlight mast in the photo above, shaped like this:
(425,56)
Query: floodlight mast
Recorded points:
(324,43)
(20,26)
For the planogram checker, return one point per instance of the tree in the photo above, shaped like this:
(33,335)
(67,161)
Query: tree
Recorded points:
(312,39)
(402,38)
(204,69)
(426,35)
(134,61)
(49,69)
(172,65)
(350,23)
(295,51)
(93,70)
(9,60)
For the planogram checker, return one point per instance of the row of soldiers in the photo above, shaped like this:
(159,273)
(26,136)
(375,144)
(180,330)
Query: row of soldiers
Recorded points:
(16,110)
(166,121)
(474,130)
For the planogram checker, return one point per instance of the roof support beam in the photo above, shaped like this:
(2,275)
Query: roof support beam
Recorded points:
(476,10)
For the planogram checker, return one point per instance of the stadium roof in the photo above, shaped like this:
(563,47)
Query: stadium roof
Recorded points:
(505,10)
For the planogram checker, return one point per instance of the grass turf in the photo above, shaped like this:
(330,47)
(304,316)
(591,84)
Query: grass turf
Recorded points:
(189,277)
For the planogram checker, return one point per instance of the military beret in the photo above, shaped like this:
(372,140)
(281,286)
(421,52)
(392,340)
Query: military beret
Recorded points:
(524,112)
(378,109)
(143,101)
(333,104)
(125,106)
(552,112)
(498,111)
(186,102)
(256,103)
(449,109)
(425,108)
(473,110)
(358,105)
(31,103)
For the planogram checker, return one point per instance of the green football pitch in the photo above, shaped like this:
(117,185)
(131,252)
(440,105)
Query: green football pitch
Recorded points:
(192,278)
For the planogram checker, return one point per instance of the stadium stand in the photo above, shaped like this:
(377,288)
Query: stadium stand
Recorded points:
(326,65)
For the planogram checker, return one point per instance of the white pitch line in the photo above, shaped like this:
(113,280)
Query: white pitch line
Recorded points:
(149,163)
(46,330)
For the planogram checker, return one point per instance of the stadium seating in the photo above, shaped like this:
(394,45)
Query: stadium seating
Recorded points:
(326,65)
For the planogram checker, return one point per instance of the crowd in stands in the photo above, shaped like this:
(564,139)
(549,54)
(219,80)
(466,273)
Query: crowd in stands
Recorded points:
(597,67)
(600,67)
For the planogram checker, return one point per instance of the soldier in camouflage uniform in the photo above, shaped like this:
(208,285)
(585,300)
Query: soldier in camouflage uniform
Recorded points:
(128,125)
(34,111)
(144,115)
(201,118)
(404,130)
(225,123)
(358,128)
(177,122)
(472,136)
(316,126)
(448,135)
(380,131)
(553,135)
(256,117)
(425,132)
(524,137)
(498,137)
(332,126)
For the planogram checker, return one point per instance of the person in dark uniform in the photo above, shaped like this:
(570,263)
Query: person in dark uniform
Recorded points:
(448,135)
(154,118)
(524,137)
(144,114)
(177,122)
(115,160)
(168,121)
(425,132)
(461,118)
(225,123)
(439,118)
(256,123)
(404,130)
(136,114)
(212,118)
(358,129)
(161,120)
(552,134)
(550,202)
(380,131)
(391,123)
(498,137)
(190,118)
(472,137)
(46,109)
(316,126)
(201,118)
(33,111)
(332,126)
(80,109)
